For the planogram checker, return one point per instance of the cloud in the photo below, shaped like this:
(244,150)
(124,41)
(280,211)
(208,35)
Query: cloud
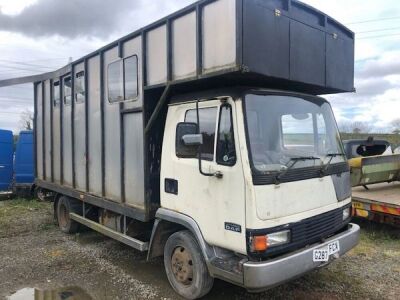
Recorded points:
(373,86)
(72,18)
(88,18)
(386,65)
(376,102)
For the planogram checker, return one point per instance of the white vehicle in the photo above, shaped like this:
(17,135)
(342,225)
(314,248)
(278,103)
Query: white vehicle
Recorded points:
(199,138)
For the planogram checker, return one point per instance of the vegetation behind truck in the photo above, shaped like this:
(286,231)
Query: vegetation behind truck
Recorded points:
(199,138)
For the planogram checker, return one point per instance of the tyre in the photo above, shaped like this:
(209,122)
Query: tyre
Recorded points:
(185,266)
(66,205)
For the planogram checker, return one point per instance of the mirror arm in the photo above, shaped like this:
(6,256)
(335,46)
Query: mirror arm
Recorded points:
(216,174)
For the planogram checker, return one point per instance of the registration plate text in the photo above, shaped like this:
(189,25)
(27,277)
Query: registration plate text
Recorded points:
(323,254)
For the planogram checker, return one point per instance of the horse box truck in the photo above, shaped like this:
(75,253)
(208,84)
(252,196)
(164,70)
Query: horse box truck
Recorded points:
(200,138)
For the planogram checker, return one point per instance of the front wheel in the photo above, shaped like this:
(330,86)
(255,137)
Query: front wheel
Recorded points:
(185,266)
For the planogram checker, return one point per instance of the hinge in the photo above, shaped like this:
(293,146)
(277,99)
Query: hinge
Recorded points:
(278,13)
(335,36)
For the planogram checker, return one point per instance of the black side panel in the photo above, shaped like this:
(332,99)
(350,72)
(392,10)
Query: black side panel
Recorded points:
(274,4)
(306,14)
(266,37)
(307,54)
(290,45)
(339,60)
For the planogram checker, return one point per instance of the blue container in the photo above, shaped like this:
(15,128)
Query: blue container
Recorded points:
(6,159)
(24,165)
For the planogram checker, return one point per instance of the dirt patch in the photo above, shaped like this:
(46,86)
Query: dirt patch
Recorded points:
(35,254)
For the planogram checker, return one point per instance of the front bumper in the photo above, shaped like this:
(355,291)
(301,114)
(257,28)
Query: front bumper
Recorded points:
(260,276)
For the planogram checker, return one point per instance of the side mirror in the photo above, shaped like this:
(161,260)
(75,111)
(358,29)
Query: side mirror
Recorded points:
(187,140)
(193,139)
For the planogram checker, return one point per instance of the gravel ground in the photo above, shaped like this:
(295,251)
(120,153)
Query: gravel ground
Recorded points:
(35,254)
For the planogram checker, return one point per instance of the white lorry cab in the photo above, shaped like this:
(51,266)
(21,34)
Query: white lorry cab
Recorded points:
(200,138)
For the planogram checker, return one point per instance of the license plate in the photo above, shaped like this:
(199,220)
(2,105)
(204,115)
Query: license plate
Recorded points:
(323,254)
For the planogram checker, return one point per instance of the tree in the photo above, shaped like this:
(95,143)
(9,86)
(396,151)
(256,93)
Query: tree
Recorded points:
(344,127)
(26,120)
(396,126)
(360,127)
(354,127)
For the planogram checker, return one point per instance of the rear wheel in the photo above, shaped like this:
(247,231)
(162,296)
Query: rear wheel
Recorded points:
(185,266)
(66,205)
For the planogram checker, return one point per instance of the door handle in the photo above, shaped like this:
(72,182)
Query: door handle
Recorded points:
(2,167)
(218,174)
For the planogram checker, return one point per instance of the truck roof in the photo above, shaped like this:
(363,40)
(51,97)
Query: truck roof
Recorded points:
(235,92)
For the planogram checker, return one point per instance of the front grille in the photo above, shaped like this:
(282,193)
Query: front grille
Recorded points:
(317,227)
(303,233)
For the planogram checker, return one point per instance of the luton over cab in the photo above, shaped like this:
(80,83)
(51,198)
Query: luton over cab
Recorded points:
(201,138)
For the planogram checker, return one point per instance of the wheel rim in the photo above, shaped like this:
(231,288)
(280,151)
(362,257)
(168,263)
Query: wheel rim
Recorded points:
(182,265)
(63,217)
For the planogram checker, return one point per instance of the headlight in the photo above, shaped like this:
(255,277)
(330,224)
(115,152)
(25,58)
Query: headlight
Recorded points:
(346,213)
(263,242)
(278,238)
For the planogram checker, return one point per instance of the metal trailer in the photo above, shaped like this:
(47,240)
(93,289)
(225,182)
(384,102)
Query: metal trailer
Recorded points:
(375,180)
(380,203)
(100,122)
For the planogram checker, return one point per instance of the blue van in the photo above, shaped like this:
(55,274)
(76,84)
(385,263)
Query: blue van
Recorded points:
(6,159)
(24,165)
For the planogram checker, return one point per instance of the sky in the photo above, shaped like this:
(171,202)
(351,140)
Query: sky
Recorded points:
(38,36)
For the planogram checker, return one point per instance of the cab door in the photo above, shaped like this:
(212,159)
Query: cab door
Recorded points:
(216,203)
(6,159)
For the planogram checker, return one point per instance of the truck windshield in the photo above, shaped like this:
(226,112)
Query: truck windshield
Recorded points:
(282,128)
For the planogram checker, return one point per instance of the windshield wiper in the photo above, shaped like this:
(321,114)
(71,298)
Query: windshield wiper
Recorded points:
(294,161)
(331,156)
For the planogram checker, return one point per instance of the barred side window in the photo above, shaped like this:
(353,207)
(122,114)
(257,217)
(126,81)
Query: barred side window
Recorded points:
(80,87)
(67,90)
(56,94)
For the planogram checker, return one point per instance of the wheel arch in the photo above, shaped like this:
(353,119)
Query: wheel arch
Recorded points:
(168,222)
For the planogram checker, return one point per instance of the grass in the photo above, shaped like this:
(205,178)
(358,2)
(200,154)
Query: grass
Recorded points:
(375,237)
(19,208)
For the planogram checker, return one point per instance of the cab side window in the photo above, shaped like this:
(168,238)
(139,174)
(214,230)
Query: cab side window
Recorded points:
(208,122)
(226,153)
